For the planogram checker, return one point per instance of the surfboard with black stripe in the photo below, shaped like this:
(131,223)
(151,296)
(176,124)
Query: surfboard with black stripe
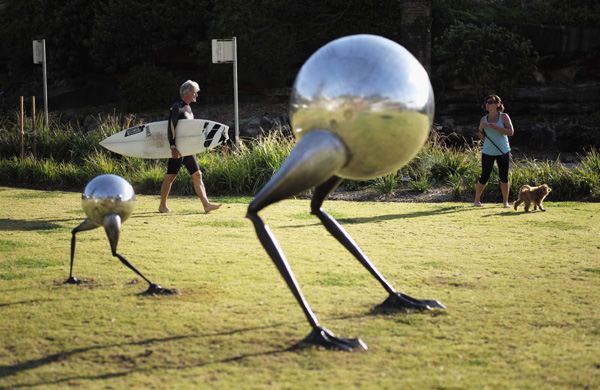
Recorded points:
(192,136)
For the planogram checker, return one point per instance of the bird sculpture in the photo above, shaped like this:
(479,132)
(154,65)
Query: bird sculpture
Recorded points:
(361,107)
(108,201)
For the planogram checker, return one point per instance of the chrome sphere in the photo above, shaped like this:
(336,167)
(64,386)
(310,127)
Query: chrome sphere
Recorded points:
(373,94)
(108,194)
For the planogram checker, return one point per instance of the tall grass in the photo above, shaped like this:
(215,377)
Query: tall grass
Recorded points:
(68,158)
(61,140)
(246,170)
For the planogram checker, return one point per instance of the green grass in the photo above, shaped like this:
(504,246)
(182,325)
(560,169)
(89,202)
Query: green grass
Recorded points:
(521,291)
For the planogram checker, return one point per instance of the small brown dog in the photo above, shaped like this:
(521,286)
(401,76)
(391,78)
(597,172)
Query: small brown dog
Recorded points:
(530,194)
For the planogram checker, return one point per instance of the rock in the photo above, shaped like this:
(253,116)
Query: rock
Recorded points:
(542,138)
(90,123)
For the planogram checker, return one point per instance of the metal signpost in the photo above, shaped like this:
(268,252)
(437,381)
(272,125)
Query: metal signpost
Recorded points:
(39,57)
(224,51)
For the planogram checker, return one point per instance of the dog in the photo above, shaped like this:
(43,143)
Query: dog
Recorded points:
(529,194)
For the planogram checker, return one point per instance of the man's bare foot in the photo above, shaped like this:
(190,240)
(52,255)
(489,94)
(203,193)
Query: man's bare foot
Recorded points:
(211,207)
(506,206)
(477,204)
(164,209)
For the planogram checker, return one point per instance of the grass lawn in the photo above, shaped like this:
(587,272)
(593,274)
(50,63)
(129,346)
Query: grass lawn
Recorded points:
(521,290)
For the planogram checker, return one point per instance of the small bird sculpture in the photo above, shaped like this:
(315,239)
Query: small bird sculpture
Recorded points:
(108,201)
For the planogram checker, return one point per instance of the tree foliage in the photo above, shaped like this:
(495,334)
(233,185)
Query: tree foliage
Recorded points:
(21,21)
(69,29)
(148,86)
(129,32)
(276,36)
(490,58)
(89,39)
(558,12)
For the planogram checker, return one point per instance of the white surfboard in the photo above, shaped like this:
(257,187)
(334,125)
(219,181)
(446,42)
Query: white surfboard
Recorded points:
(149,140)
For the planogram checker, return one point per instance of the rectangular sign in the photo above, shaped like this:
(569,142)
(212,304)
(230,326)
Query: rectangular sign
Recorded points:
(222,51)
(38,52)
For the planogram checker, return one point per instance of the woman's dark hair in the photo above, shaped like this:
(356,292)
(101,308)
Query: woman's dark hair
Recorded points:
(497,99)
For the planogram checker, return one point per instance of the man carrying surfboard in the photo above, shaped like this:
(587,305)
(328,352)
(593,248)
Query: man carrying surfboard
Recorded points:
(188,93)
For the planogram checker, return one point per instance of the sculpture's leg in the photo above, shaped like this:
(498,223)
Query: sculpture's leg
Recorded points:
(85,225)
(319,335)
(395,299)
(112,226)
(316,157)
(269,242)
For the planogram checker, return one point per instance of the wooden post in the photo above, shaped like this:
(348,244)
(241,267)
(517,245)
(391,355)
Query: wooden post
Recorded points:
(33,125)
(22,128)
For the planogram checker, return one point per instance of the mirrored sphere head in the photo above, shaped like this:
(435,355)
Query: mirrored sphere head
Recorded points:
(108,194)
(373,94)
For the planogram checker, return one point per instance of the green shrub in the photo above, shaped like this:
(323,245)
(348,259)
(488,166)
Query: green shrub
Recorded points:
(386,184)
(456,181)
(149,180)
(420,184)
(491,58)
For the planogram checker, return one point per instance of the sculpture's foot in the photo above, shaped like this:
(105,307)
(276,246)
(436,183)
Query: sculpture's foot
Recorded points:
(155,289)
(72,280)
(325,338)
(401,301)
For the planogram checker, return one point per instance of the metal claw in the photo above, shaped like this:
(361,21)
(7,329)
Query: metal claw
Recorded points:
(155,289)
(324,337)
(401,301)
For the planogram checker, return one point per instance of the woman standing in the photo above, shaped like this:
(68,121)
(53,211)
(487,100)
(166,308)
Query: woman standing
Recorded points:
(494,130)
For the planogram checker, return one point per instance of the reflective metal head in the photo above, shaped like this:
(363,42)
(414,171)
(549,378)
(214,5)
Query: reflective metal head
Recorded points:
(373,94)
(108,194)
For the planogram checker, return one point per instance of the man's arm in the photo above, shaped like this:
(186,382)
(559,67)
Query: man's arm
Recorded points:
(172,124)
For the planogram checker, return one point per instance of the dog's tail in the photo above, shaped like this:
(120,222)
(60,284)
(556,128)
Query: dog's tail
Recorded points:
(525,188)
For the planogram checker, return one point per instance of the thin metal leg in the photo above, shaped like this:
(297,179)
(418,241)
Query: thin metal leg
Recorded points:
(395,299)
(112,226)
(314,160)
(337,231)
(319,335)
(269,242)
(87,224)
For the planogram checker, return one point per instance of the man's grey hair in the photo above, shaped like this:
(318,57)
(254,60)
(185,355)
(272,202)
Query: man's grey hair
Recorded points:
(188,87)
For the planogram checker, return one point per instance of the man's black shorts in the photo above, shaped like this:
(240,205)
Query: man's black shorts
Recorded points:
(190,162)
